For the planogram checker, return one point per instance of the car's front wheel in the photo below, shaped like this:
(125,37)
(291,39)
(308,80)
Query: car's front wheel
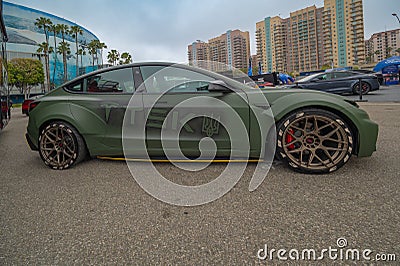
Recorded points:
(314,141)
(61,146)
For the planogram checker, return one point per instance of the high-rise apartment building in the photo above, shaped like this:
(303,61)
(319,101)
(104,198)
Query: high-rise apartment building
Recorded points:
(271,43)
(198,51)
(382,45)
(304,39)
(231,48)
(343,27)
(312,37)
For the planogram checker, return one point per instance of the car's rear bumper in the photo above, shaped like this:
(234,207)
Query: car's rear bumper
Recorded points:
(375,86)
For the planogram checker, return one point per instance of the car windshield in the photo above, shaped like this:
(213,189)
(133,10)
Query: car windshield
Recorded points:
(308,78)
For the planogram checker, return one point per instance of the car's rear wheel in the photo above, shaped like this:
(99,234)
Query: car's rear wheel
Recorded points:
(314,141)
(61,146)
(365,88)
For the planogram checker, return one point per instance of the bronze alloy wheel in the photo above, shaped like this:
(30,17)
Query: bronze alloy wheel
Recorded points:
(60,146)
(314,141)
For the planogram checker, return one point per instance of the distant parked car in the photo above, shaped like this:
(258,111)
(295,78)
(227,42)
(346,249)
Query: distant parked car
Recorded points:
(5,111)
(27,102)
(263,84)
(339,82)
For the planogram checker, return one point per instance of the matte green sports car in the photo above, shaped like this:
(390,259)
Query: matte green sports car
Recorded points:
(158,110)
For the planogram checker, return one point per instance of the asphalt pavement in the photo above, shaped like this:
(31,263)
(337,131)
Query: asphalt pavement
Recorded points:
(95,213)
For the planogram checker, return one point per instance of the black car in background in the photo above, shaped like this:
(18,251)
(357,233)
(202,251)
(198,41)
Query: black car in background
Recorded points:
(339,82)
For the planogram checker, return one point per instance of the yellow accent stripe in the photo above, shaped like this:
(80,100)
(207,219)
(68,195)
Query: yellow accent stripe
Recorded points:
(178,160)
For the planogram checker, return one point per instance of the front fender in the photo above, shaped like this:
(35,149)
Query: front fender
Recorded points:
(367,130)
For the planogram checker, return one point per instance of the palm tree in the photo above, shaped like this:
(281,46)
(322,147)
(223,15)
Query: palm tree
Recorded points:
(113,57)
(55,30)
(100,46)
(75,31)
(377,52)
(64,30)
(45,24)
(397,51)
(81,52)
(92,49)
(370,57)
(388,51)
(126,58)
(45,50)
(64,49)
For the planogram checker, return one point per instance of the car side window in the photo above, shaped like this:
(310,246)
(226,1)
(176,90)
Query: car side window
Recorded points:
(76,87)
(114,81)
(159,79)
(342,74)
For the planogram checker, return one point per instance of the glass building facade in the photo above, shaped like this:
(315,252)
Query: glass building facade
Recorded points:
(24,38)
(4,92)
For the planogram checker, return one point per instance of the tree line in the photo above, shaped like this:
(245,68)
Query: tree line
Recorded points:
(63,48)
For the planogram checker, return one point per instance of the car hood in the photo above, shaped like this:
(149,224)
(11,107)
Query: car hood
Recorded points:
(272,95)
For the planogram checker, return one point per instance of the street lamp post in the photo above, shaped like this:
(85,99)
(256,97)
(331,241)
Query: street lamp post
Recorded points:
(395,15)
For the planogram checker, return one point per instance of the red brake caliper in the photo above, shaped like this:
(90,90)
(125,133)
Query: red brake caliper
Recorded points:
(290,138)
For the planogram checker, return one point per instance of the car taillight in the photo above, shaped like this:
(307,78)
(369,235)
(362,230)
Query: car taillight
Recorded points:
(26,103)
(4,106)
(32,105)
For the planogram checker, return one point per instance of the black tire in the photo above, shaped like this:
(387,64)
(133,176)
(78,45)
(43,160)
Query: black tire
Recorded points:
(61,146)
(314,141)
(366,87)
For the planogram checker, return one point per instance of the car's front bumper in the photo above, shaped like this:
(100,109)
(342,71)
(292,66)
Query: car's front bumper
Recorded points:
(367,137)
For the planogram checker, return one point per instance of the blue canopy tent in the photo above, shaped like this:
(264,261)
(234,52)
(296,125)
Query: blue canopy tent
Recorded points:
(390,69)
(394,60)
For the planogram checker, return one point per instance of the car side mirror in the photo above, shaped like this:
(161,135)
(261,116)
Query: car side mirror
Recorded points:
(218,86)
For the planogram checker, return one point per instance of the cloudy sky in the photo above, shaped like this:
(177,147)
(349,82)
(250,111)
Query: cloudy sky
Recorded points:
(160,30)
